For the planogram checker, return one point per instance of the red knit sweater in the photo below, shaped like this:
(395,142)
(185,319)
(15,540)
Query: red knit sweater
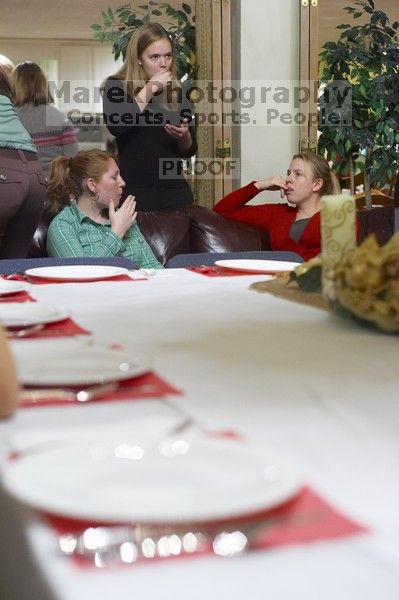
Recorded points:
(275,218)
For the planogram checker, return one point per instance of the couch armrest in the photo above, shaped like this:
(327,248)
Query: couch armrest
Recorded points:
(210,232)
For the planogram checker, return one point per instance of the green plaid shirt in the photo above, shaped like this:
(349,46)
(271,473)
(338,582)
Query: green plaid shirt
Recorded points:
(72,233)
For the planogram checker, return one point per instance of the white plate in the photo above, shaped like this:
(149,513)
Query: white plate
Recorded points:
(71,362)
(29,313)
(257,266)
(144,480)
(76,272)
(8,286)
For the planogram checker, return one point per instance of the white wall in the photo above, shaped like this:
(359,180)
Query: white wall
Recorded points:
(269,52)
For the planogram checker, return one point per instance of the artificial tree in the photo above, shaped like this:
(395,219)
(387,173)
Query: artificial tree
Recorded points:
(362,134)
(120,23)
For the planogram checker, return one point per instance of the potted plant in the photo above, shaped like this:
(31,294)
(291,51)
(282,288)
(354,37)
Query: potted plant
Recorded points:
(362,134)
(120,23)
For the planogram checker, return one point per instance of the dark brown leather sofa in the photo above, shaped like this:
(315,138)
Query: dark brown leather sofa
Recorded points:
(197,229)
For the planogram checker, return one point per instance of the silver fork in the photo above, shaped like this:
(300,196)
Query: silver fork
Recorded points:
(116,545)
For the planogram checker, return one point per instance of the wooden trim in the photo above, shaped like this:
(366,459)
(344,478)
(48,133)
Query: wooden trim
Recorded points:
(213,37)
(218,72)
(308,71)
(204,188)
(227,127)
(304,50)
(313,72)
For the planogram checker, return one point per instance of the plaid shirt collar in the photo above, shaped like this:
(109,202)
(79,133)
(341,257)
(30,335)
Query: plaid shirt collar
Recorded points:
(82,217)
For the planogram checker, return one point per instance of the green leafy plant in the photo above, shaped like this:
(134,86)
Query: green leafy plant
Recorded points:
(120,23)
(363,135)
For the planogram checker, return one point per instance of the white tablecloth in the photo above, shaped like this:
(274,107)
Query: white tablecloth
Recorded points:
(319,391)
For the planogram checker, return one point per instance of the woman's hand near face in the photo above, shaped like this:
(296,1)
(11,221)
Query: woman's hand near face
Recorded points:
(159,81)
(123,218)
(153,86)
(272,184)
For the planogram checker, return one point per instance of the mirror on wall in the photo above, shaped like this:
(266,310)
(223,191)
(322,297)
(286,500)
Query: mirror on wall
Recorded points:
(331,13)
(58,36)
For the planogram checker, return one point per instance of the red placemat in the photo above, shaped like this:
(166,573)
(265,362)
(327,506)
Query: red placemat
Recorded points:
(17,297)
(148,385)
(304,519)
(65,328)
(218,272)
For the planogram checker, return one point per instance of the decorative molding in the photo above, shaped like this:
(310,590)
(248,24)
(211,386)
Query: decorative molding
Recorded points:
(204,189)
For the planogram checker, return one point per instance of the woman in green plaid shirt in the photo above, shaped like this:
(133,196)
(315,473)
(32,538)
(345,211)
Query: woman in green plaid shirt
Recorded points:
(84,192)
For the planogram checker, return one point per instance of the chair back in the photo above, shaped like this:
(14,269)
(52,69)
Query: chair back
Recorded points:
(378,198)
(209,258)
(379,221)
(18,265)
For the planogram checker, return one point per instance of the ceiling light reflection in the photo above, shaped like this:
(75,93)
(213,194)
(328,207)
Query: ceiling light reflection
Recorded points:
(174,448)
(230,544)
(129,452)
(128,552)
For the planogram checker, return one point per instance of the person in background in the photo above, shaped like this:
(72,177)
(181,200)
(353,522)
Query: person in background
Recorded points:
(7,64)
(49,128)
(292,226)
(8,378)
(85,191)
(147,111)
(22,182)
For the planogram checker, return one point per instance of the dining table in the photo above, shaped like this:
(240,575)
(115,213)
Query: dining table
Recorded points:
(294,381)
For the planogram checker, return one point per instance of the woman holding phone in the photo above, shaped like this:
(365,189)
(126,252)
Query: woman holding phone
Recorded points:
(145,108)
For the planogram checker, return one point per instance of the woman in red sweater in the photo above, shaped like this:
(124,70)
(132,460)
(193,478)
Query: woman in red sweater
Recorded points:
(295,226)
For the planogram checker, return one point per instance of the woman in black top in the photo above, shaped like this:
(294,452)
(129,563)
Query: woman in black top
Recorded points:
(147,111)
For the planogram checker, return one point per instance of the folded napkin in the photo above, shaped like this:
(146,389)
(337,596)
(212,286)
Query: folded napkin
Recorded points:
(65,328)
(17,297)
(218,271)
(148,385)
(304,519)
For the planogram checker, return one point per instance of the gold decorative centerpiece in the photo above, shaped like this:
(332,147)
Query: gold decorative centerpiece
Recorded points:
(365,284)
(338,237)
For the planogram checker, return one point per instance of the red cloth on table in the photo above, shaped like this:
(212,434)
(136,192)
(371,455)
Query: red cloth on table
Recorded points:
(304,519)
(17,297)
(148,385)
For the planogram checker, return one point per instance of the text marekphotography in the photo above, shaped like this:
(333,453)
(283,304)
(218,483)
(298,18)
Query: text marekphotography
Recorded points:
(244,103)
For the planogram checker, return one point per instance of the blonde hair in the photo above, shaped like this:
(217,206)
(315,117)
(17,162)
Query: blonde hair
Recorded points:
(319,169)
(30,85)
(6,64)
(68,176)
(131,72)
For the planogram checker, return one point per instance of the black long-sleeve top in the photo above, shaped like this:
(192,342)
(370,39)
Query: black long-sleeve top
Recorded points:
(148,155)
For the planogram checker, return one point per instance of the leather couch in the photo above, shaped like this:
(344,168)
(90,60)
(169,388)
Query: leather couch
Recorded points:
(197,229)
